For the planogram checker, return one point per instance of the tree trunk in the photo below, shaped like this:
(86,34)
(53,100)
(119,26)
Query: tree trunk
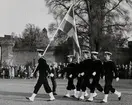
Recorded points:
(96,21)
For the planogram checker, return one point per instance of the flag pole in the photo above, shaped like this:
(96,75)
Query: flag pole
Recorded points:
(56,31)
(75,4)
(50,42)
(60,25)
(76,54)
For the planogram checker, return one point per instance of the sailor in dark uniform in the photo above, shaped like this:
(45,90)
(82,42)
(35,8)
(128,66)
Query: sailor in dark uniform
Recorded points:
(86,67)
(43,69)
(97,73)
(71,74)
(109,68)
(80,76)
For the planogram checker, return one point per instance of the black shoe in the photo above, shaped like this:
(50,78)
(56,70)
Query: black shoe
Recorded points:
(119,98)
(51,100)
(102,101)
(54,93)
(89,101)
(66,97)
(73,96)
(29,99)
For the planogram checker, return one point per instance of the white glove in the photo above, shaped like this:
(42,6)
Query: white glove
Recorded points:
(79,75)
(51,75)
(59,75)
(94,73)
(103,77)
(82,74)
(70,75)
(117,79)
(31,75)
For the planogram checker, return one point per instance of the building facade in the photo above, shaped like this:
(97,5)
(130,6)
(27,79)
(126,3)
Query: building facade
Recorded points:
(11,56)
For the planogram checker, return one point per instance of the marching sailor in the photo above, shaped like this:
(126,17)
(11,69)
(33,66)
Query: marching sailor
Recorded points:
(97,73)
(71,75)
(43,69)
(109,72)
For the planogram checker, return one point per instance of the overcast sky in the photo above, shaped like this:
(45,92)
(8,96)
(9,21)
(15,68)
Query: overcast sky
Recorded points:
(15,14)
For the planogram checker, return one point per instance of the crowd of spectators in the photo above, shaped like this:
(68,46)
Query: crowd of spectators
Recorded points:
(16,72)
(125,71)
(24,71)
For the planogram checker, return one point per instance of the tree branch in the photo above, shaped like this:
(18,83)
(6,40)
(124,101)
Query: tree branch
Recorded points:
(113,7)
(59,3)
(114,25)
(81,18)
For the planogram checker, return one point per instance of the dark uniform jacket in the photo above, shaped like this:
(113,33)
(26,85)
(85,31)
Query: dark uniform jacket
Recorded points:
(98,68)
(110,69)
(86,67)
(70,69)
(43,67)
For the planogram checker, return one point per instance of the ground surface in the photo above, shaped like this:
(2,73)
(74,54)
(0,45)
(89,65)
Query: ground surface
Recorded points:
(13,92)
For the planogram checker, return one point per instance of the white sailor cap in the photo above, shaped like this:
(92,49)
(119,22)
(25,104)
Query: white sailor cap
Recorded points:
(94,53)
(85,51)
(70,56)
(40,50)
(108,53)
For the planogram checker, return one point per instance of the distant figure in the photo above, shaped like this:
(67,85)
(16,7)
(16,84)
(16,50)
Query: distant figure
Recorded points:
(53,69)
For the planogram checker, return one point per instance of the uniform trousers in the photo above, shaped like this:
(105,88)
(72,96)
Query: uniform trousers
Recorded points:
(95,84)
(79,83)
(54,84)
(108,85)
(42,80)
(70,85)
(86,83)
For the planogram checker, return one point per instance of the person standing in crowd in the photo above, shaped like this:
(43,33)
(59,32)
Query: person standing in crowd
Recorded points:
(97,73)
(130,71)
(53,69)
(71,74)
(60,70)
(126,71)
(109,68)
(43,68)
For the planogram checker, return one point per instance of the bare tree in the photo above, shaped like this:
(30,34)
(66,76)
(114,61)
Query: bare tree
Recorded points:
(96,20)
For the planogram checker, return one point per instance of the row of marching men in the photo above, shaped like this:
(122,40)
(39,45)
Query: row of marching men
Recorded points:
(88,73)
(90,68)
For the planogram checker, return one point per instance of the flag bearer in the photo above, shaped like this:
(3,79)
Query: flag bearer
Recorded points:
(43,68)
